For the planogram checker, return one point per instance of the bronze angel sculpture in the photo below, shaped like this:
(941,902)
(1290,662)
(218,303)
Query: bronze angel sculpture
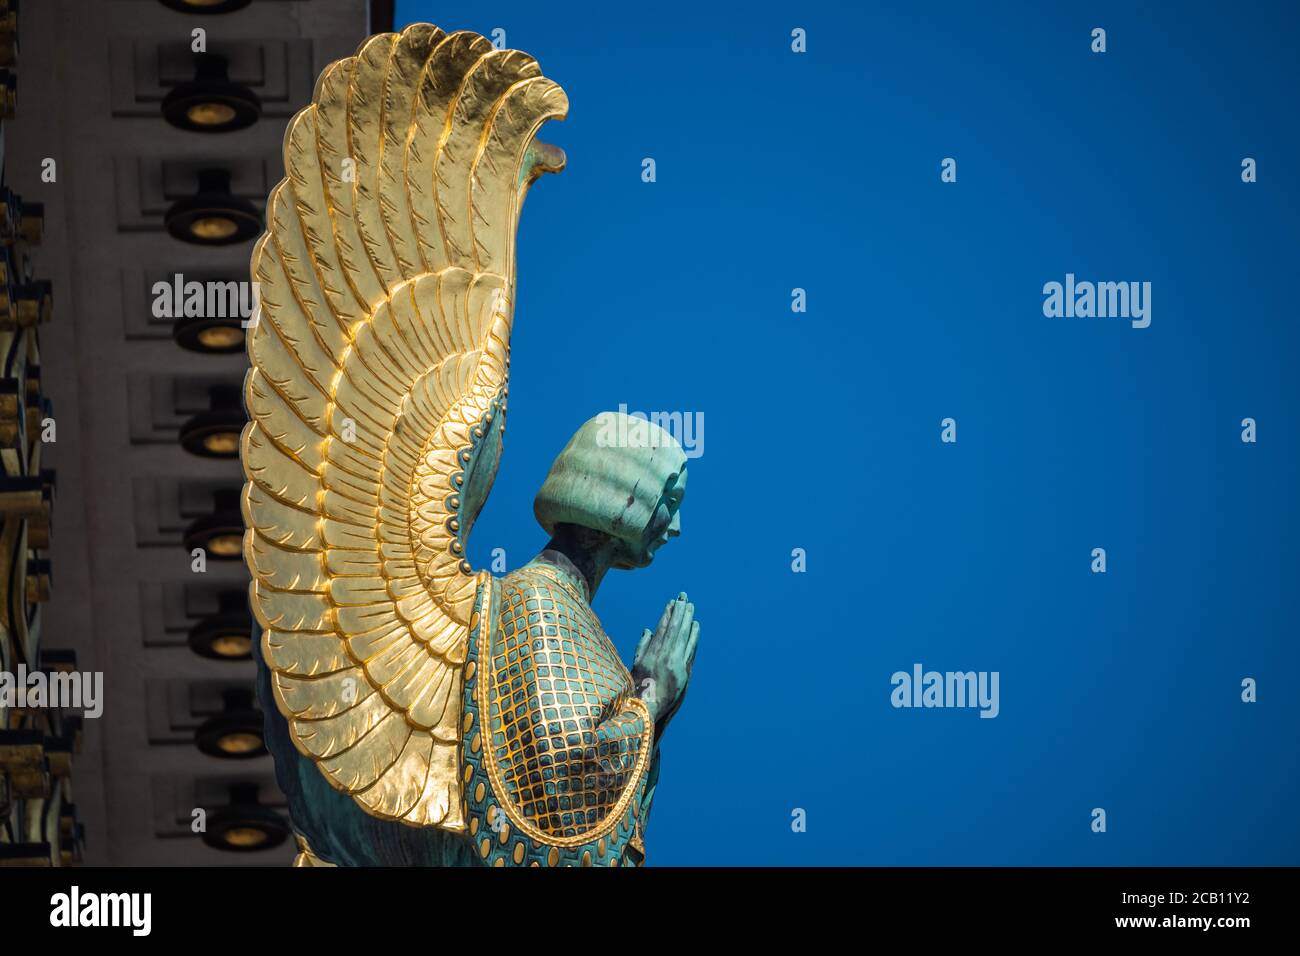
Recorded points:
(420,713)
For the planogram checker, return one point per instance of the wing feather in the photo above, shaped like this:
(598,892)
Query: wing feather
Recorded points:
(379,357)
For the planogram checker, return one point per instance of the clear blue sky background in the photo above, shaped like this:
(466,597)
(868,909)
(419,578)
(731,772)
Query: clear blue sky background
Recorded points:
(821,171)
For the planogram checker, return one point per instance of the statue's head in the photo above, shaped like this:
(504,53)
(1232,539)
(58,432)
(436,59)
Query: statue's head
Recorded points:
(623,477)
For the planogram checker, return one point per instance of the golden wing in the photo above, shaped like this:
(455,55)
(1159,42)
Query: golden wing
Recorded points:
(376,397)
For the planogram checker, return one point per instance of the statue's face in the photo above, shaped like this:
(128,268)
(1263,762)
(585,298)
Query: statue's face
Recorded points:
(665,523)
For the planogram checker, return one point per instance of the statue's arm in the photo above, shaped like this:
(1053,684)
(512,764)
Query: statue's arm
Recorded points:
(617,743)
(624,742)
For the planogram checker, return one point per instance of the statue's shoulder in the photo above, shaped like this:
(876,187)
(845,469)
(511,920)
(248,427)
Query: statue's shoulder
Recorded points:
(540,594)
(540,582)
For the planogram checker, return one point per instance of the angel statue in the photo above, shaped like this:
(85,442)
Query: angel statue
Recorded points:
(420,713)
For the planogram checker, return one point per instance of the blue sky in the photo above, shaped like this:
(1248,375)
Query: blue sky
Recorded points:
(821,171)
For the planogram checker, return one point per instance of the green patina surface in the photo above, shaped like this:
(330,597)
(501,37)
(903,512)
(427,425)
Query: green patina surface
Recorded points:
(560,740)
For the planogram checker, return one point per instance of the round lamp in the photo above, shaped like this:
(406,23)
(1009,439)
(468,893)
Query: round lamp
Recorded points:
(244,825)
(213,216)
(210,103)
(215,433)
(228,634)
(236,732)
(221,533)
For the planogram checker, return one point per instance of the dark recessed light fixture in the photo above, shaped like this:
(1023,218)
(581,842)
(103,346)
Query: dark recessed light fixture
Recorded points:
(206,6)
(244,824)
(228,634)
(211,103)
(220,335)
(221,533)
(236,732)
(213,216)
(215,433)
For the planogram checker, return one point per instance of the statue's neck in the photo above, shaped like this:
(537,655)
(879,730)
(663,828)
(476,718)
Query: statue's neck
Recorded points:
(581,554)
